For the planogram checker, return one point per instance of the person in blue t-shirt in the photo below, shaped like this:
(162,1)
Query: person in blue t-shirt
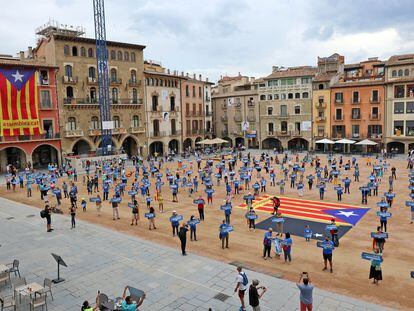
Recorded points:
(321,190)
(328,247)
(174,224)
(193,228)
(224,234)
(227,213)
(339,191)
(307,233)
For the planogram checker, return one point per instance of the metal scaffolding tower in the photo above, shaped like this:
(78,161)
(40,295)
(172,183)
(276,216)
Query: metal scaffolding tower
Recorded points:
(103,77)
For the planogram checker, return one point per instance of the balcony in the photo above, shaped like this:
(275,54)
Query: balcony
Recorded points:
(355,101)
(45,136)
(283,133)
(320,119)
(156,134)
(175,133)
(296,134)
(224,118)
(237,118)
(270,133)
(73,133)
(94,132)
(355,135)
(69,80)
(129,101)
(91,80)
(119,130)
(209,113)
(194,113)
(282,116)
(321,135)
(44,81)
(115,81)
(320,105)
(355,117)
(375,116)
(339,101)
(338,118)
(374,100)
(208,98)
(134,82)
(136,129)
(251,118)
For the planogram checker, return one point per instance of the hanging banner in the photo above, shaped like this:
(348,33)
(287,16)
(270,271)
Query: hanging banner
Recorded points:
(306,126)
(164,95)
(19,102)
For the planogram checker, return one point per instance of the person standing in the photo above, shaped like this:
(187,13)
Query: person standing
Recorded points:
(73,216)
(287,247)
(48,216)
(135,213)
(115,212)
(267,243)
(193,228)
(224,234)
(241,286)
(98,204)
(151,220)
(182,235)
(306,292)
(200,207)
(254,295)
(328,247)
(174,223)
(375,271)
(393,173)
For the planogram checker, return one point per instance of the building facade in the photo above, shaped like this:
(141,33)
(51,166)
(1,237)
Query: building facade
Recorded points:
(328,70)
(77,89)
(357,102)
(163,109)
(208,108)
(28,96)
(399,123)
(285,103)
(236,111)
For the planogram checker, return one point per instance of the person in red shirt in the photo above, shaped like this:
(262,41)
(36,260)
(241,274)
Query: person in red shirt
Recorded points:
(200,207)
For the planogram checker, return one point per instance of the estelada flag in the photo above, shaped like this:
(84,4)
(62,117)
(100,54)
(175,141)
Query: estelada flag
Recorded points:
(19,99)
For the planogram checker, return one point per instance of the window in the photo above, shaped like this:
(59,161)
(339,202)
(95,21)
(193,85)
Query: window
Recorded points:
(113,75)
(283,110)
(262,97)
(194,91)
(200,93)
(113,54)
(410,107)
(282,96)
(338,114)
(44,77)
(95,123)
(269,111)
(305,80)
(161,82)
(374,96)
(92,94)
(187,91)
(68,70)
(400,73)
(47,126)
(269,97)
(409,128)
(321,86)
(134,96)
(173,126)
(283,126)
(69,92)
(117,122)
(114,95)
(172,103)
(305,95)
(375,113)
(90,52)
(71,126)
(74,51)
(135,121)
(406,72)
(132,57)
(374,131)
(270,127)
(126,56)
(156,127)
(398,107)
(355,97)
(66,50)
(356,113)
(119,55)
(394,73)
(45,99)
(276,96)
(92,72)
(133,76)
(398,127)
(339,97)
(399,91)
(297,127)
(290,96)
(410,90)
(355,130)
(297,109)
(154,103)
(82,51)
(297,95)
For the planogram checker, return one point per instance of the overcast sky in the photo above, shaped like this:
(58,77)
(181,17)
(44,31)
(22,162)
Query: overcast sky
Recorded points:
(218,37)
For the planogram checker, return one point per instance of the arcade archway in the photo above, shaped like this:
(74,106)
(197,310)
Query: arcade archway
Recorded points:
(272,143)
(156,147)
(298,144)
(188,143)
(81,147)
(14,156)
(173,146)
(130,146)
(43,155)
(395,147)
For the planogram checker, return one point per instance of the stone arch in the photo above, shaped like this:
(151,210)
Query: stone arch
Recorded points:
(272,143)
(187,143)
(43,155)
(130,145)
(298,143)
(396,146)
(82,146)
(14,155)
(156,147)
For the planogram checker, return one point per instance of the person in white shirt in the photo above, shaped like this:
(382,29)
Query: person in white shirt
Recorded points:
(241,286)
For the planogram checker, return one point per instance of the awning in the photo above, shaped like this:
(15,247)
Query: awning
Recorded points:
(366,142)
(345,141)
(325,141)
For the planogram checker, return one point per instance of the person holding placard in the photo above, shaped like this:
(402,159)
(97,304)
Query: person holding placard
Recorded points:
(115,212)
(251,216)
(193,227)
(135,213)
(328,247)
(98,204)
(378,242)
(224,234)
(375,271)
(174,223)
(267,243)
(151,220)
(383,219)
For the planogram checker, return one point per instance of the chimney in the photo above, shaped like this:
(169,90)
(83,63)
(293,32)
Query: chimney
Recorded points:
(187,75)
(168,71)
(30,50)
(199,77)
(194,76)
(21,55)
(182,73)
(206,79)
(239,74)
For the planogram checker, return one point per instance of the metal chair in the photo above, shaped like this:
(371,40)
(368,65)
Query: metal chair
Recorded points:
(14,267)
(5,277)
(16,283)
(47,284)
(7,303)
(39,300)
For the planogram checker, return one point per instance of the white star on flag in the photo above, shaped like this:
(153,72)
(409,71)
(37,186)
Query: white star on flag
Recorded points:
(346,214)
(17,76)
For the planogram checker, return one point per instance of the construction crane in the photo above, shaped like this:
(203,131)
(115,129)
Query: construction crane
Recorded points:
(103,77)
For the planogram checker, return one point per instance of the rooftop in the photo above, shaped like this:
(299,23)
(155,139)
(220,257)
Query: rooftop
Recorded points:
(93,41)
(292,72)
(400,60)
(17,62)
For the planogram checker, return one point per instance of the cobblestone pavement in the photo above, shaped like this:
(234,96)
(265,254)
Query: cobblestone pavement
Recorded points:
(105,260)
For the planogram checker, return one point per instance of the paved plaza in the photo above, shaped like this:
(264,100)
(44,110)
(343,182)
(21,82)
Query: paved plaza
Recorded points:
(105,260)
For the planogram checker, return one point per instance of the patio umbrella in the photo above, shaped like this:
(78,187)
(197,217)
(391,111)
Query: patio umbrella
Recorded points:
(325,142)
(345,141)
(204,142)
(219,141)
(366,142)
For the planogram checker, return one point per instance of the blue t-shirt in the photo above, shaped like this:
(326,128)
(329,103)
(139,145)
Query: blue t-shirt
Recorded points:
(130,307)
(329,250)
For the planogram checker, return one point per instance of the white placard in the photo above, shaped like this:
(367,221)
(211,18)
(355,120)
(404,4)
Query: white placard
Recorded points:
(107,125)
(166,116)
(230,101)
(306,126)
(245,126)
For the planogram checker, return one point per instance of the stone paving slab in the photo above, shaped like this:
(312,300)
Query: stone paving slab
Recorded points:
(105,260)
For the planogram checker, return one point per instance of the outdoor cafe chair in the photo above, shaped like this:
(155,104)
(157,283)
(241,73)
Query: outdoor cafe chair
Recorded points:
(7,303)
(16,283)
(39,300)
(5,277)
(14,267)
(47,284)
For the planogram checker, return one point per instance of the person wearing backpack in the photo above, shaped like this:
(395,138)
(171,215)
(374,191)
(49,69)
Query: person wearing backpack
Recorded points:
(242,282)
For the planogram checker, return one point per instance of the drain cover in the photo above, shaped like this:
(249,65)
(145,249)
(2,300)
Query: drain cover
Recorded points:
(30,216)
(10,218)
(221,297)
